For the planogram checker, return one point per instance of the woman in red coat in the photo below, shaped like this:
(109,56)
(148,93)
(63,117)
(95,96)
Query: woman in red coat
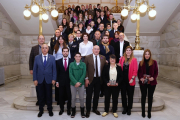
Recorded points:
(147,74)
(129,67)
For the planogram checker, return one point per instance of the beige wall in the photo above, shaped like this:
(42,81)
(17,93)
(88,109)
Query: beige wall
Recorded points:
(170,52)
(9,48)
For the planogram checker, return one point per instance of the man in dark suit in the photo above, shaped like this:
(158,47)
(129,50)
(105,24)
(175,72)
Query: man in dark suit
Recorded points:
(111,20)
(63,80)
(54,39)
(120,46)
(115,28)
(73,46)
(36,50)
(98,8)
(78,38)
(63,33)
(44,75)
(94,66)
(97,39)
(103,18)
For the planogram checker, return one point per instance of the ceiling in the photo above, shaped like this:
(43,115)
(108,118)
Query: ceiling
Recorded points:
(13,10)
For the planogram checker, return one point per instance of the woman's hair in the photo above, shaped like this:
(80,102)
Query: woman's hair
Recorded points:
(66,23)
(150,59)
(91,16)
(112,56)
(132,55)
(56,47)
(70,35)
(107,31)
(107,8)
(82,16)
(65,12)
(117,32)
(85,34)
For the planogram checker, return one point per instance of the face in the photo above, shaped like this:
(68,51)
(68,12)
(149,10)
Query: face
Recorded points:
(61,41)
(105,8)
(44,49)
(90,6)
(92,23)
(97,35)
(78,34)
(105,40)
(115,26)
(41,39)
(112,61)
(116,35)
(99,6)
(98,13)
(102,13)
(57,33)
(108,27)
(111,17)
(118,22)
(128,52)
(88,27)
(64,21)
(77,57)
(74,14)
(80,25)
(147,55)
(75,29)
(80,15)
(87,7)
(73,6)
(65,52)
(70,24)
(90,16)
(101,26)
(107,33)
(85,37)
(121,36)
(96,50)
(61,28)
(71,38)
(86,13)
(66,11)
(99,20)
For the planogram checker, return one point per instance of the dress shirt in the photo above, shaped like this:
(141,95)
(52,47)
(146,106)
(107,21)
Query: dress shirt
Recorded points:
(59,54)
(99,65)
(121,48)
(115,31)
(113,73)
(78,38)
(77,63)
(102,18)
(44,58)
(40,52)
(67,60)
(85,49)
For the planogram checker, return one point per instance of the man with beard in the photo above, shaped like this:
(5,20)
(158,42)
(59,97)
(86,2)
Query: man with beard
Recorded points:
(97,39)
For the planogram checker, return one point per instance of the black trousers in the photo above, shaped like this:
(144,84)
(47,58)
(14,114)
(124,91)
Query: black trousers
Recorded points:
(45,95)
(37,93)
(151,89)
(128,90)
(114,91)
(56,93)
(64,90)
(93,87)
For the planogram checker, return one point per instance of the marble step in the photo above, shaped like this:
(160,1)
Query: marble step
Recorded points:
(20,103)
(29,98)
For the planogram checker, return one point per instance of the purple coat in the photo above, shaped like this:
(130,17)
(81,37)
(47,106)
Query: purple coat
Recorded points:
(153,72)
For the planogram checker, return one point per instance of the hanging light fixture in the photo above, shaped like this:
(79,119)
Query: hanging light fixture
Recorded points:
(134,16)
(54,13)
(27,13)
(124,12)
(35,8)
(45,16)
(143,8)
(152,13)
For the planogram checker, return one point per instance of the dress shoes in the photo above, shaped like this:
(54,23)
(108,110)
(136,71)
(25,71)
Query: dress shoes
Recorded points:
(124,111)
(69,112)
(96,112)
(51,113)
(40,114)
(104,114)
(129,112)
(149,115)
(61,112)
(87,114)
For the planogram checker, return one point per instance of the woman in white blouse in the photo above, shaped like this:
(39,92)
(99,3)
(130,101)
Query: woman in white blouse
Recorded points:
(85,47)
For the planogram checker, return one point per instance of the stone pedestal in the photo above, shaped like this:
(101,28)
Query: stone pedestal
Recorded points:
(138,54)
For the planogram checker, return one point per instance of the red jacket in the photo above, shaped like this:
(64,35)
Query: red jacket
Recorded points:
(133,68)
(153,72)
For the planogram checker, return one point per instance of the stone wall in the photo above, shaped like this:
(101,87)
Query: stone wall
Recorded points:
(170,52)
(9,49)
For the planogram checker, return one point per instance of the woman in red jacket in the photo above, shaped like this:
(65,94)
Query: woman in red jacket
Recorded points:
(147,74)
(129,66)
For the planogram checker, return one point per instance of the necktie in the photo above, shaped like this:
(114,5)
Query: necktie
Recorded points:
(65,65)
(44,61)
(96,68)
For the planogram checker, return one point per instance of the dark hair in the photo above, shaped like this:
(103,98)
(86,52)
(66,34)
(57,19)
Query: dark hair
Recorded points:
(105,36)
(56,47)
(98,5)
(78,53)
(85,34)
(60,25)
(108,24)
(78,31)
(41,35)
(80,23)
(65,48)
(66,23)
(65,12)
(117,33)
(111,14)
(112,56)
(88,25)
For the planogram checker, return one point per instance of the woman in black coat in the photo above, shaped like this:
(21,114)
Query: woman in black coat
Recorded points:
(112,77)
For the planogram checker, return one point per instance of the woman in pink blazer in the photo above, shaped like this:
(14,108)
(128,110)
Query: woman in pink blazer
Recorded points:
(129,66)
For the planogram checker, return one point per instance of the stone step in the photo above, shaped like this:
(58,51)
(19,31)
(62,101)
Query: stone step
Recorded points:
(20,103)
(29,98)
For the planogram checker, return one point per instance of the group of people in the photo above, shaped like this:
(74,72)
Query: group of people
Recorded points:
(94,59)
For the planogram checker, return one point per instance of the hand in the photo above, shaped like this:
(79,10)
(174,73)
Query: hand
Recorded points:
(31,72)
(86,83)
(77,84)
(131,81)
(57,84)
(106,61)
(108,84)
(53,82)
(142,79)
(119,64)
(35,82)
(151,79)
(116,84)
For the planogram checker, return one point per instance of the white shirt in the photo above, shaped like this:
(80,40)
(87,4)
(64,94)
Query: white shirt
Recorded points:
(121,48)
(115,31)
(44,58)
(85,49)
(67,60)
(78,38)
(102,18)
(99,65)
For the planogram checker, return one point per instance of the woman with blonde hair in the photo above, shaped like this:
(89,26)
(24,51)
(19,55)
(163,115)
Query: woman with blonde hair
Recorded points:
(128,65)
(147,74)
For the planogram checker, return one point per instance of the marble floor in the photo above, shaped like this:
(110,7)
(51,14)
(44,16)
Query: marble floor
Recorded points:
(169,93)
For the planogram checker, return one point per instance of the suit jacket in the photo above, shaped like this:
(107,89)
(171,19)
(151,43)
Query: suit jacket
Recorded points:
(73,49)
(153,72)
(47,73)
(106,76)
(116,46)
(103,51)
(62,75)
(33,53)
(89,61)
(104,20)
(95,42)
(111,33)
(78,41)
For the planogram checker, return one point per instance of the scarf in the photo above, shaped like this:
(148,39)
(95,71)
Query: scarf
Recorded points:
(106,46)
(89,31)
(116,40)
